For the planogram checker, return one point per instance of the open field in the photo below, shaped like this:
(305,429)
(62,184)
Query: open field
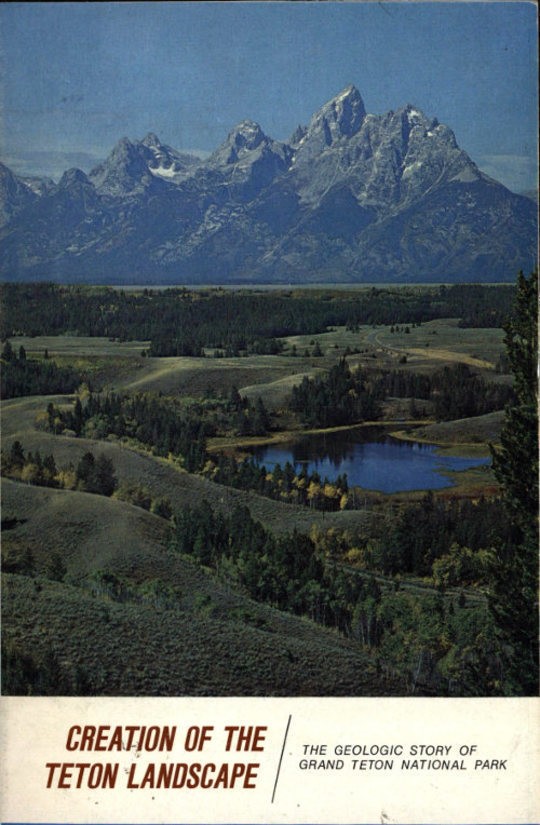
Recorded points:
(254,375)
(121,366)
(426,347)
(443,341)
(79,346)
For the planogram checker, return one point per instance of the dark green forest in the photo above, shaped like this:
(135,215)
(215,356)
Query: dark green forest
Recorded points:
(346,397)
(21,375)
(183,322)
(514,573)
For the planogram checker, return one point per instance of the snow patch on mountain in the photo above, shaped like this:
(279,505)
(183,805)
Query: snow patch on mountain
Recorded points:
(351,196)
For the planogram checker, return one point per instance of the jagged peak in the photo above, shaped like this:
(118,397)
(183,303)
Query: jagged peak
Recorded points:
(297,135)
(123,143)
(247,125)
(414,115)
(349,92)
(246,134)
(151,139)
(125,150)
(341,116)
(72,176)
(243,138)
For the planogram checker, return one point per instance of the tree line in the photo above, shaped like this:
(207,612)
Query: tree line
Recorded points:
(432,538)
(455,391)
(163,425)
(150,420)
(347,397)
(341,397)
(92,474)
(178,318)
(281,483)
(22,376)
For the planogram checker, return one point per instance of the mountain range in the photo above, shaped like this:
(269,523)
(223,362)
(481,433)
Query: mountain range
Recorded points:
(351,197)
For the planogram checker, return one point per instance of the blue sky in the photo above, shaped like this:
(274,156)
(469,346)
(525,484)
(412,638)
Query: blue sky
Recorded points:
(79,76)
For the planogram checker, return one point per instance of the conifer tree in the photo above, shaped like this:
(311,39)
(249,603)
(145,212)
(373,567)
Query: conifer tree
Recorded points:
(514,584)
(7,352)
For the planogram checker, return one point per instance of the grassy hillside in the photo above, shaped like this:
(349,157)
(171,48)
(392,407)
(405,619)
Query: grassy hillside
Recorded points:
(160,477)
(174,631)
(479,430)
(444,340)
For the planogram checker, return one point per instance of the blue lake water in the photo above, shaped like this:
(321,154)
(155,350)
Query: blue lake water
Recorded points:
(379,462)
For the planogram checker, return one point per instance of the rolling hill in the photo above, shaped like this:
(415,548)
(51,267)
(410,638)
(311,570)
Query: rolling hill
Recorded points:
(173,630)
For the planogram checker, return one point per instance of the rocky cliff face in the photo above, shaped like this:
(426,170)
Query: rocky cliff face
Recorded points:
(15,195)
(351,197)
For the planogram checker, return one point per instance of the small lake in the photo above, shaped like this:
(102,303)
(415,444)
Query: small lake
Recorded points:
(370,459)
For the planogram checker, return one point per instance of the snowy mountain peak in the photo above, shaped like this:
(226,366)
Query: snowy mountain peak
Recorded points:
(352,196)
(246,138)
(247,135)
(132,165)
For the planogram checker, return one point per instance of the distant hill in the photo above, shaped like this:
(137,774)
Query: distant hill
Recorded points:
(351,197)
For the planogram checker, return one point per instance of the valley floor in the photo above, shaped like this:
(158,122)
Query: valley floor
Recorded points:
(174,627)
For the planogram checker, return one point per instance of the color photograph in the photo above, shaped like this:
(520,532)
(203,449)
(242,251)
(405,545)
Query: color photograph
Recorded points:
(269,349)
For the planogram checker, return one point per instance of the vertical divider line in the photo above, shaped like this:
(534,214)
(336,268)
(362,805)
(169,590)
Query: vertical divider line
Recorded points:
(281,757)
